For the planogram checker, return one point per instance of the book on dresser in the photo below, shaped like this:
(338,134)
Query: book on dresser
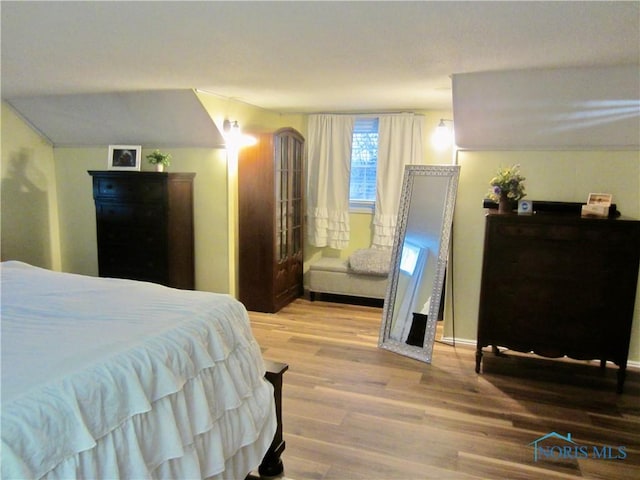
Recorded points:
(559,285)
(144,226)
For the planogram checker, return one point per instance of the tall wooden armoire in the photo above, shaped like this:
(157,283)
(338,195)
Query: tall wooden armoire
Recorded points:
(270,210)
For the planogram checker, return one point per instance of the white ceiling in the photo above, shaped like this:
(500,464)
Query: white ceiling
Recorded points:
(303,56)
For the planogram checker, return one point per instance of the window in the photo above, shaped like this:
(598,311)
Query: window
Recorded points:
(364,160)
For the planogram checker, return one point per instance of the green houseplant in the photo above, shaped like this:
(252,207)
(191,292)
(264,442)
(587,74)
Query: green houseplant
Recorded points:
(159,159)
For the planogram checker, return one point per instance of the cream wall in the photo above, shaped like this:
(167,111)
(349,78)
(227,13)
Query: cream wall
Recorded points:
(75,202)
(77,211)
(47,204)
(249,117)
(251,120)
(29,209)
(215,187)
(553,176)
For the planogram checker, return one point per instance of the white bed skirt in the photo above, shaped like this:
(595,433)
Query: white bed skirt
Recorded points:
(114,379)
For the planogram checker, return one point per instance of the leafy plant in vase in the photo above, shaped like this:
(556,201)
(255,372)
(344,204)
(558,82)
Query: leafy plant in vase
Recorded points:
(507,187)
(159,159)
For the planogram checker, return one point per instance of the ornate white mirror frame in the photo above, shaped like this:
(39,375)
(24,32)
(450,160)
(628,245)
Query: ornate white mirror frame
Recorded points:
(419,258)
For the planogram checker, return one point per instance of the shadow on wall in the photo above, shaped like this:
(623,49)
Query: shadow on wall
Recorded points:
(25,212)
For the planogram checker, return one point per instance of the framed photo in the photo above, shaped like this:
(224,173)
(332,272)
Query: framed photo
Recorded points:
(602,199)
(124,157)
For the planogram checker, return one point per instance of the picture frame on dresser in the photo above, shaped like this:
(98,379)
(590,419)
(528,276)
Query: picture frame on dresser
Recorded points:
(124,157)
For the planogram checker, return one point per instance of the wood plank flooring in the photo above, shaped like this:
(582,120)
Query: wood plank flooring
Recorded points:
(354,411)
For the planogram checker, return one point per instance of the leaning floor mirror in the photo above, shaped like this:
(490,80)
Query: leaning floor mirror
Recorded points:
(419,260)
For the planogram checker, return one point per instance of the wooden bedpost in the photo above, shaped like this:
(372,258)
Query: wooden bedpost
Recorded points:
(272,465)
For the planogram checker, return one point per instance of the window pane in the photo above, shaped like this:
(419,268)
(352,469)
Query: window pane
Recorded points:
(364,159)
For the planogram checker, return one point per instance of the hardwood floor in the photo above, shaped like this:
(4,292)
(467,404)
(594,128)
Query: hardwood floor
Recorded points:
(354,411)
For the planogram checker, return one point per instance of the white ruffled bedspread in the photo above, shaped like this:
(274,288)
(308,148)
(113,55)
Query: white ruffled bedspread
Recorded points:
(107,378)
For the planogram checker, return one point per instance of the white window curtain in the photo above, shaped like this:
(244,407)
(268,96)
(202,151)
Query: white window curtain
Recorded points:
(399,144)
(329,169)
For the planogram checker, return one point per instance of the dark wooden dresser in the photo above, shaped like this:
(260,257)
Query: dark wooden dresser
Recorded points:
(145,226)
(559,285)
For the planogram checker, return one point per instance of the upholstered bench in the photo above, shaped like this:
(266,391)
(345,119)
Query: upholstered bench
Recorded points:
(335,276)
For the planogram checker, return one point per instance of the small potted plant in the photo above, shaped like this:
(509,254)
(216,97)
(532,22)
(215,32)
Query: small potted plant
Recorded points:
(159,159)
(507,187)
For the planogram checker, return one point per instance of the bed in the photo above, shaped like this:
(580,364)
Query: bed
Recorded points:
(111,378)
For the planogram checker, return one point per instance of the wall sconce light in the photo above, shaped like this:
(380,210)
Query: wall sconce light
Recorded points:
(443,136)
(227,126)
(233,137)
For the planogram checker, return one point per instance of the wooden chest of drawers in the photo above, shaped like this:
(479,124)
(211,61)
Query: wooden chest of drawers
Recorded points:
(145,226)
(559,285)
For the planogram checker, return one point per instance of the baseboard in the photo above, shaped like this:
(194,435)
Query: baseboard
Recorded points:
(459,341)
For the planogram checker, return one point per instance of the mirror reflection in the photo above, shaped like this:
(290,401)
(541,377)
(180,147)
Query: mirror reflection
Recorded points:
(419,260)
